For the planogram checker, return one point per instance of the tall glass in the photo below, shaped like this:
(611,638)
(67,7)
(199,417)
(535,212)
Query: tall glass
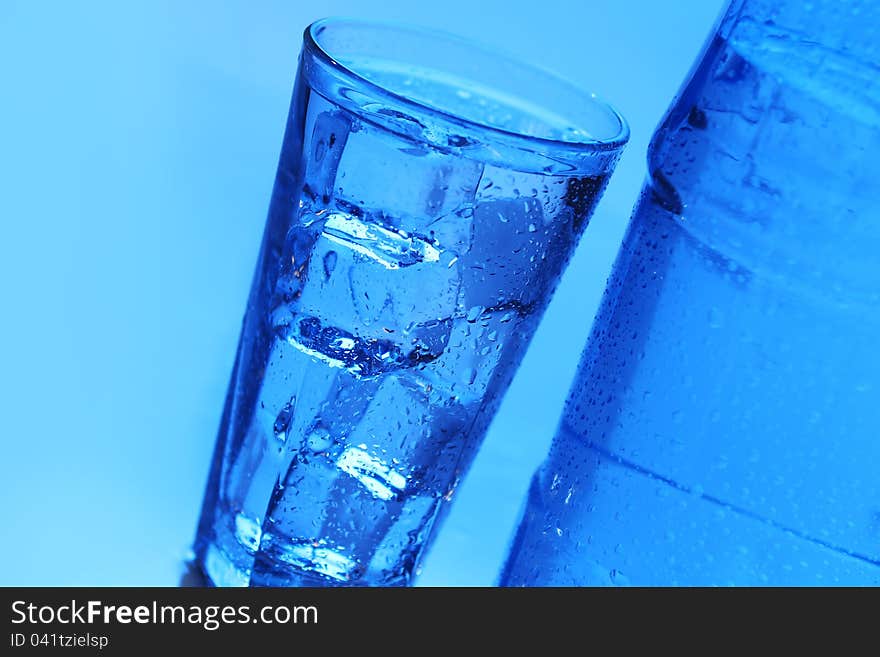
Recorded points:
(723,427)
(428,195)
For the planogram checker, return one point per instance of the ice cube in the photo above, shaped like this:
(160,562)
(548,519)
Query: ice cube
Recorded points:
(413,185)
(504,261)
(478,344)
(368,298)
(394,559)
(395,448)
(323,152)
(296,519)
(412,432)
(305,492)
(549,191)
(421,289)
(523,229)
(292,392)
(291,388)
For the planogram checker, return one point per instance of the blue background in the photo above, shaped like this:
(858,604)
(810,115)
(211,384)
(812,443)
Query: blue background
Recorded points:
(138,143)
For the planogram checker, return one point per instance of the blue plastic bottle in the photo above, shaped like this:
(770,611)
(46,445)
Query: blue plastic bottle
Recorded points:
(724,426)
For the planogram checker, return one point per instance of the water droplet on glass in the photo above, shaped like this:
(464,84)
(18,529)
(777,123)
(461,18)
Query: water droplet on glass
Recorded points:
(474,313)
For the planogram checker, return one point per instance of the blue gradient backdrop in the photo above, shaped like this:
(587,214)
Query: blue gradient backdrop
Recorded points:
(138,143)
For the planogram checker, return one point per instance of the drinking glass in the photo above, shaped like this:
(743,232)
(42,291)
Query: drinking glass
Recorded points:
(428,195)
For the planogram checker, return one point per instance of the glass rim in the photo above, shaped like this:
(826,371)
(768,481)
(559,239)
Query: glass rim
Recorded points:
(312,46)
